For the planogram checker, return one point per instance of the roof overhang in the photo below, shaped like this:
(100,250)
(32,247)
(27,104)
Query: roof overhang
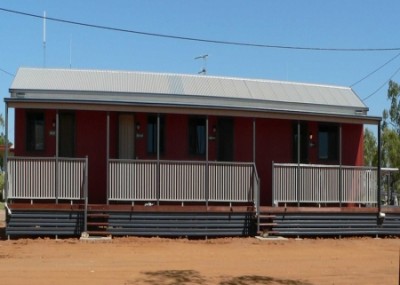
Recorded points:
(190,109)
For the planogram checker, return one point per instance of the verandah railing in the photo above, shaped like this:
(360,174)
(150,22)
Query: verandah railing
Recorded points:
(140,180)
(46,178)
(308,183)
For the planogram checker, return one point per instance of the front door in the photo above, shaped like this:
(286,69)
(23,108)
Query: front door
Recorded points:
(304,143)
(225,133)
(126,136)
(66,142)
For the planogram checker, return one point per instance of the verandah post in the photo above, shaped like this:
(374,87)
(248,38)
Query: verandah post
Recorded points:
(379,168)
(108,158)
(207,178)
(340,167)
(5,166)
(158,160)
(273,186)
(298,165)
(86,194)
(57,154)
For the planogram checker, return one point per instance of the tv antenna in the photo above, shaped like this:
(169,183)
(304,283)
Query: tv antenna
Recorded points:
(44,39)
(204,68)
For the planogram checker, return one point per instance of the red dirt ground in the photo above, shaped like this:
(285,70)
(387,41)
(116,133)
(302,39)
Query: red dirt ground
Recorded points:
(226,261)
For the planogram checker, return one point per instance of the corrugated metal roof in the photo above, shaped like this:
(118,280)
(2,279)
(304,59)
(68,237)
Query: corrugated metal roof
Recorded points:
(179,89)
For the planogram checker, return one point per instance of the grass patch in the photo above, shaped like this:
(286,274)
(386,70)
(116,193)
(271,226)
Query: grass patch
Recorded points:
(1,206)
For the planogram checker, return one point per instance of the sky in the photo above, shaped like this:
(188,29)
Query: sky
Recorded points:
(340,24)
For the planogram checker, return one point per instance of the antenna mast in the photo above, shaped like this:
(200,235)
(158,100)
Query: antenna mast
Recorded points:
(44,39)
(204,69)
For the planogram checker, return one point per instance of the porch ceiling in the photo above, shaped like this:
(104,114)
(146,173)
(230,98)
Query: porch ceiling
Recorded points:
(135,91)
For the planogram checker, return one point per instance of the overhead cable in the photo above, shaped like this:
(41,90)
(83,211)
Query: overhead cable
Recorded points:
(222,42)
(6,72)
(380,67)
(383,85)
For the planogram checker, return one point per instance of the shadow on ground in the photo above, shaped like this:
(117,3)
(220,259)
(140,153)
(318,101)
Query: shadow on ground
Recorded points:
(183,277)
(261,280)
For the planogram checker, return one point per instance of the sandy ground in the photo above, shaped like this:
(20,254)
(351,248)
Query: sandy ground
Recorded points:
(227,261)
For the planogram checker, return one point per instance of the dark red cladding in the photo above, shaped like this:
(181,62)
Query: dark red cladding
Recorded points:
(274,142)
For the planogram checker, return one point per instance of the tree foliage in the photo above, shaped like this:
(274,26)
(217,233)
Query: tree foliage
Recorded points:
(393,114)
(370,149)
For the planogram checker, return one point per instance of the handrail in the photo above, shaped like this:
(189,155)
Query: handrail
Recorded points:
(45,178)
(313,183)
(184,181)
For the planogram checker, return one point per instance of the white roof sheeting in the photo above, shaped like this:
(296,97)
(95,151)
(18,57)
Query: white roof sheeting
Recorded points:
(183,90)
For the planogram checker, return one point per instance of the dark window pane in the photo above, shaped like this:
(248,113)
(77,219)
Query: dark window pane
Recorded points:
(35,130)
(197,136)
(152,134)
(328,142)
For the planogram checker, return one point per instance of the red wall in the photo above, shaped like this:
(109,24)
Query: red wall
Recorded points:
(273,143)
(353,144)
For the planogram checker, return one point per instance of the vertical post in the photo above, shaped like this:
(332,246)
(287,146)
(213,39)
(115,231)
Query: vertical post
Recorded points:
(207,187)
(158,161)
(57,153)
(254,141)
(379,169)
(340,167)
(273,186)
(5,162)
(256,187)
(108,157)
(86,194)
(298,164)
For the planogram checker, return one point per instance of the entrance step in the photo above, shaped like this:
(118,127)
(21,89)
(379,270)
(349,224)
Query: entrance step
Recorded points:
(266,224)
(97,223)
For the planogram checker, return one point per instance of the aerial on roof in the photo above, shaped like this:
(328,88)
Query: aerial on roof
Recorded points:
(183,90)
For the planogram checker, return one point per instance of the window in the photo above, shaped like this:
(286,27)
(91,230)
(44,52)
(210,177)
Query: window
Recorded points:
(197,136)
(328,142)
(152,134)
(35,131)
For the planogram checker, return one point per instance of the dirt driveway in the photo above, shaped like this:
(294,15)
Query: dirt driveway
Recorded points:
(227,261)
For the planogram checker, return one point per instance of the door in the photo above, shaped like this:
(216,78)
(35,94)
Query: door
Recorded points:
(225,138)
(126,136)
(304,142)
(66,142)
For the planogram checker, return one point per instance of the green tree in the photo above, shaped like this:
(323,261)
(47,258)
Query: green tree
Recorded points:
(391,131)
(370,148)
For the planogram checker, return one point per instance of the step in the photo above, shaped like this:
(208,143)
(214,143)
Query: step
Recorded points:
(267,224)
(98,215)
(267,233)
(262,216)
(99,233)
(98,224)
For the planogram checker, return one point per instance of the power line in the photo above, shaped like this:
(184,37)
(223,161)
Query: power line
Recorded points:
(222,42)
(6,72)
(386,82)
(380,67)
